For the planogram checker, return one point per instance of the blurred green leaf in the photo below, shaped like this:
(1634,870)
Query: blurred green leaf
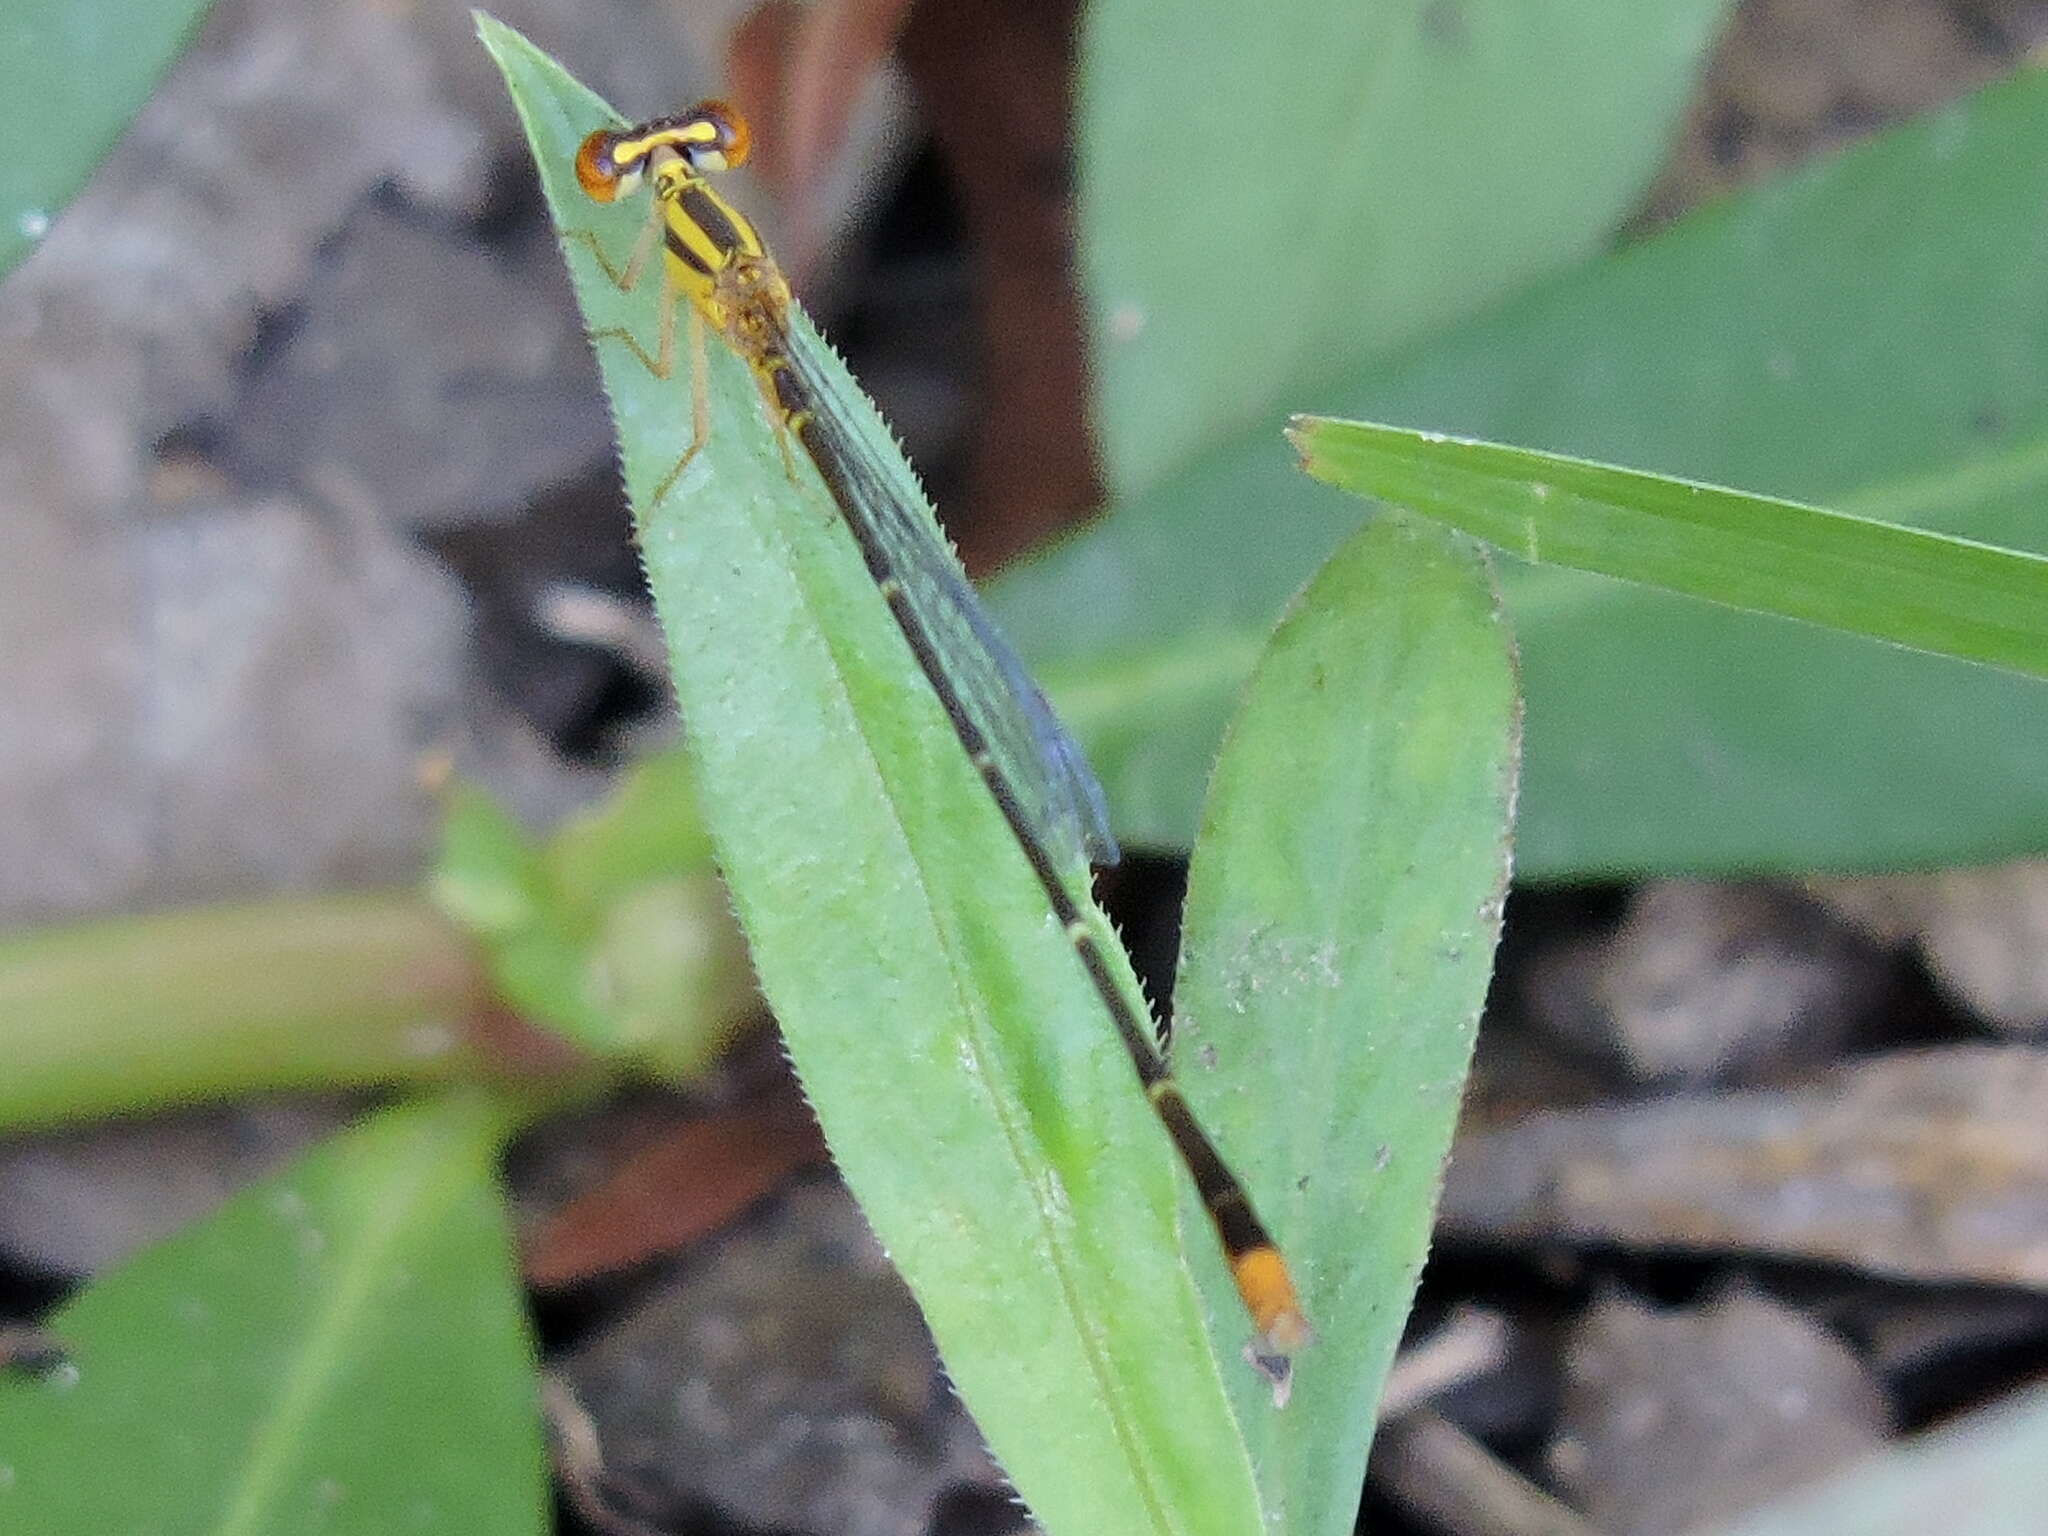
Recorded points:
(1272,193)
(1828,338)
(72,74)
(1343,906)
(1975,1476)
(615,930)
(958,1059)
(341,1349)
(1929,591)
(488,876)
(491,879)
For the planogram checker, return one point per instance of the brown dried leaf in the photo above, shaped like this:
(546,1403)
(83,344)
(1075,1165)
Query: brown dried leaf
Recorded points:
(677,1190)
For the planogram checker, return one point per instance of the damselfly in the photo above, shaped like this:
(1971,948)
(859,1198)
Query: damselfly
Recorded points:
(714,258)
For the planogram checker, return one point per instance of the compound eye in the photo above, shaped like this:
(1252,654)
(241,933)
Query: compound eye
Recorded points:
(597,173)
(731,141)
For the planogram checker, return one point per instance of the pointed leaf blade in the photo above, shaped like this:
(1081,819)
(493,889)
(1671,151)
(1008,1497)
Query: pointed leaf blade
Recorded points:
(1343,907)
(958,1060)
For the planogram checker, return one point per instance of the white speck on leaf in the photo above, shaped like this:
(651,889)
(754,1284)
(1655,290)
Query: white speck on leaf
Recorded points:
(429,1042)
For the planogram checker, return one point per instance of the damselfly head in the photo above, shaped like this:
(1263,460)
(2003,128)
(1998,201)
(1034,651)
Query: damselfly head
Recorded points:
(711,136)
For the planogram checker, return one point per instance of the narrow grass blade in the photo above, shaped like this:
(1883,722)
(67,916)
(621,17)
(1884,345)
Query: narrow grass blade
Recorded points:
(959,1062)
(1343,907)
(1930,591)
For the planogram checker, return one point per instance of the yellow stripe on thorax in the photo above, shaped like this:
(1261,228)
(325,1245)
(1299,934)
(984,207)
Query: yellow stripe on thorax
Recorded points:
(714,253)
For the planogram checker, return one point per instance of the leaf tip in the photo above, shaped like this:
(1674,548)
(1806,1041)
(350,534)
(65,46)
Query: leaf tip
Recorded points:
(500,41)
(1304,434)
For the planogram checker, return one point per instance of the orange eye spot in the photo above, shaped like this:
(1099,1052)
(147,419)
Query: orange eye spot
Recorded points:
(735,138)
(595,172)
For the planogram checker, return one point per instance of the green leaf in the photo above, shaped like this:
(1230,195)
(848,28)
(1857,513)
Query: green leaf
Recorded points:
(1949,596)
(340,1349)
(1268,191)
(1827,338)
(72,74)
(1343,906)
(615,931)
(958,1059)
(1977,1476)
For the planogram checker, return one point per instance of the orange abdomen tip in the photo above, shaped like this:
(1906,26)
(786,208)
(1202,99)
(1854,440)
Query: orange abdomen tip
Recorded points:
(1269,1296)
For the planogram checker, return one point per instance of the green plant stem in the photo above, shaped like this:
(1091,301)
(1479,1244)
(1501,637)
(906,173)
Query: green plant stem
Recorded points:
(141,1012)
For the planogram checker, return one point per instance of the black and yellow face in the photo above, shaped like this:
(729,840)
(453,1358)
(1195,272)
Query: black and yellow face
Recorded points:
(714,254)
(710,137)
